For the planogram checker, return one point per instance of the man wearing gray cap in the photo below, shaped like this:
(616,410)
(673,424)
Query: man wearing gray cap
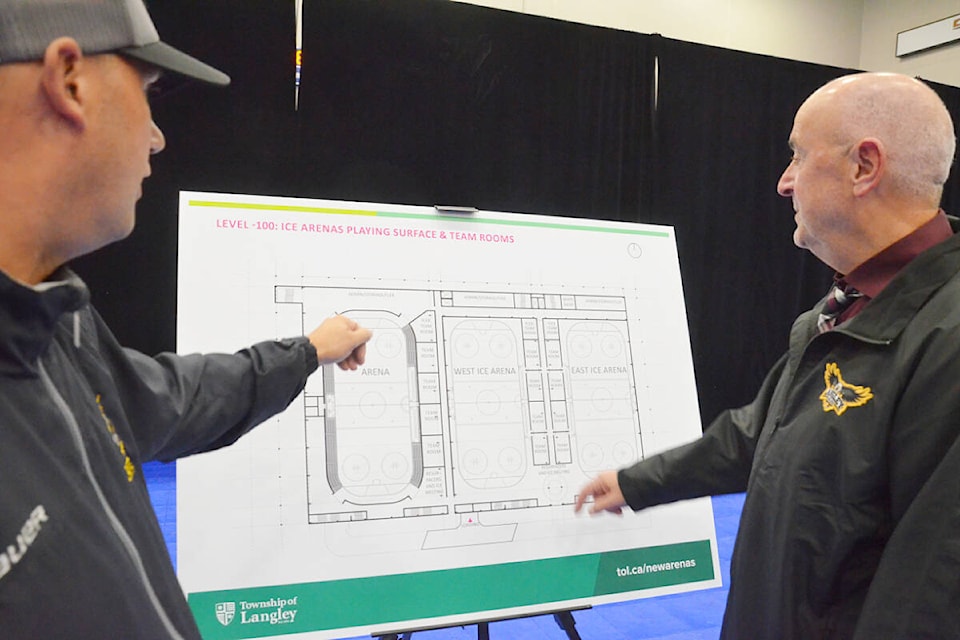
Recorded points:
(81,553)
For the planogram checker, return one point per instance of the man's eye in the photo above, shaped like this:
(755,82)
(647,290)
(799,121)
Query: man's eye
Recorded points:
(153,91)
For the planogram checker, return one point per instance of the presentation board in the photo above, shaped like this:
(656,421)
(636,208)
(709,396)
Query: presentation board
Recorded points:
(513,358)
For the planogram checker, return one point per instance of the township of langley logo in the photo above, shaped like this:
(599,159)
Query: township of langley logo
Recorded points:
(226,611)
(839,394)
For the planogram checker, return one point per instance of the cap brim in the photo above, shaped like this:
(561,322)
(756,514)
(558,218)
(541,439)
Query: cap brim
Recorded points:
(166,57)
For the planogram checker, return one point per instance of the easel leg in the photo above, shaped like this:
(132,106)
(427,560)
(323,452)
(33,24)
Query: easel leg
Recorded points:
(567,623)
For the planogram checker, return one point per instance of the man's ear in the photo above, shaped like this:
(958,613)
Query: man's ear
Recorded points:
(63,64)
(870,158)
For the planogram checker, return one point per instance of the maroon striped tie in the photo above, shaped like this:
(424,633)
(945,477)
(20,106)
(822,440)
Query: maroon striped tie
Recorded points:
(841,296)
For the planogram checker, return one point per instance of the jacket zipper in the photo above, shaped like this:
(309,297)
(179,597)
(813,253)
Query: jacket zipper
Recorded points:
(115,523)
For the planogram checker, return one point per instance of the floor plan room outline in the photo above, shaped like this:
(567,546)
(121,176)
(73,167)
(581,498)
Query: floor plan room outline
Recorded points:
(474,407)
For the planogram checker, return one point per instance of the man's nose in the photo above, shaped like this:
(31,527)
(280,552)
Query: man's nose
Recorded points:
(785,184)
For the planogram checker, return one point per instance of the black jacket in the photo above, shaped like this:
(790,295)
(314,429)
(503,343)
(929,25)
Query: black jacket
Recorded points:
(81,553)
(850,457)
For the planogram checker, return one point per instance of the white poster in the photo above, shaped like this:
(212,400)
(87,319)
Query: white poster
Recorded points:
(513,357)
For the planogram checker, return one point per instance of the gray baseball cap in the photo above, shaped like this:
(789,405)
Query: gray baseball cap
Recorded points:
(27,27)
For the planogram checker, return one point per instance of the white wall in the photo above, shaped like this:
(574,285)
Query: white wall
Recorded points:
(882,19)
(858,34)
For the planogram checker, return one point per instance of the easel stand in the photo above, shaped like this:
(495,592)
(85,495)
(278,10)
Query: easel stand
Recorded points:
(564,620)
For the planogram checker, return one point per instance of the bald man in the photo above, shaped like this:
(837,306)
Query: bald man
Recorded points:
(81,553)
(850,453)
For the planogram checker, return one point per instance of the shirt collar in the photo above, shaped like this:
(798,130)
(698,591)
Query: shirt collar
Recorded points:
(871,277)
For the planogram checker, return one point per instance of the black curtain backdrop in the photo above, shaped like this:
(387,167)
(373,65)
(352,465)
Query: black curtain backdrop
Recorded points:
(434,102)
(723,120)
(951,192)
(461,105)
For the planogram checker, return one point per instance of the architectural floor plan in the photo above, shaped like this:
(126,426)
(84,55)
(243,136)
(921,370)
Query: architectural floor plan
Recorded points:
(513,358)
(471,403)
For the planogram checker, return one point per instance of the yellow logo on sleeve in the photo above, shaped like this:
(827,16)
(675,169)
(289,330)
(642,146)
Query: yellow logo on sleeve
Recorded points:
(128,466)
(839,394)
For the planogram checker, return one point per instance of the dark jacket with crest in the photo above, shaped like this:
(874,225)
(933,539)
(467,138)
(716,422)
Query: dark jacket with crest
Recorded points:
(850,457)
(81,553)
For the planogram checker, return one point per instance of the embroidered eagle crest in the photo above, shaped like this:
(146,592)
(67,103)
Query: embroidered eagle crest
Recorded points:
(839,394)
